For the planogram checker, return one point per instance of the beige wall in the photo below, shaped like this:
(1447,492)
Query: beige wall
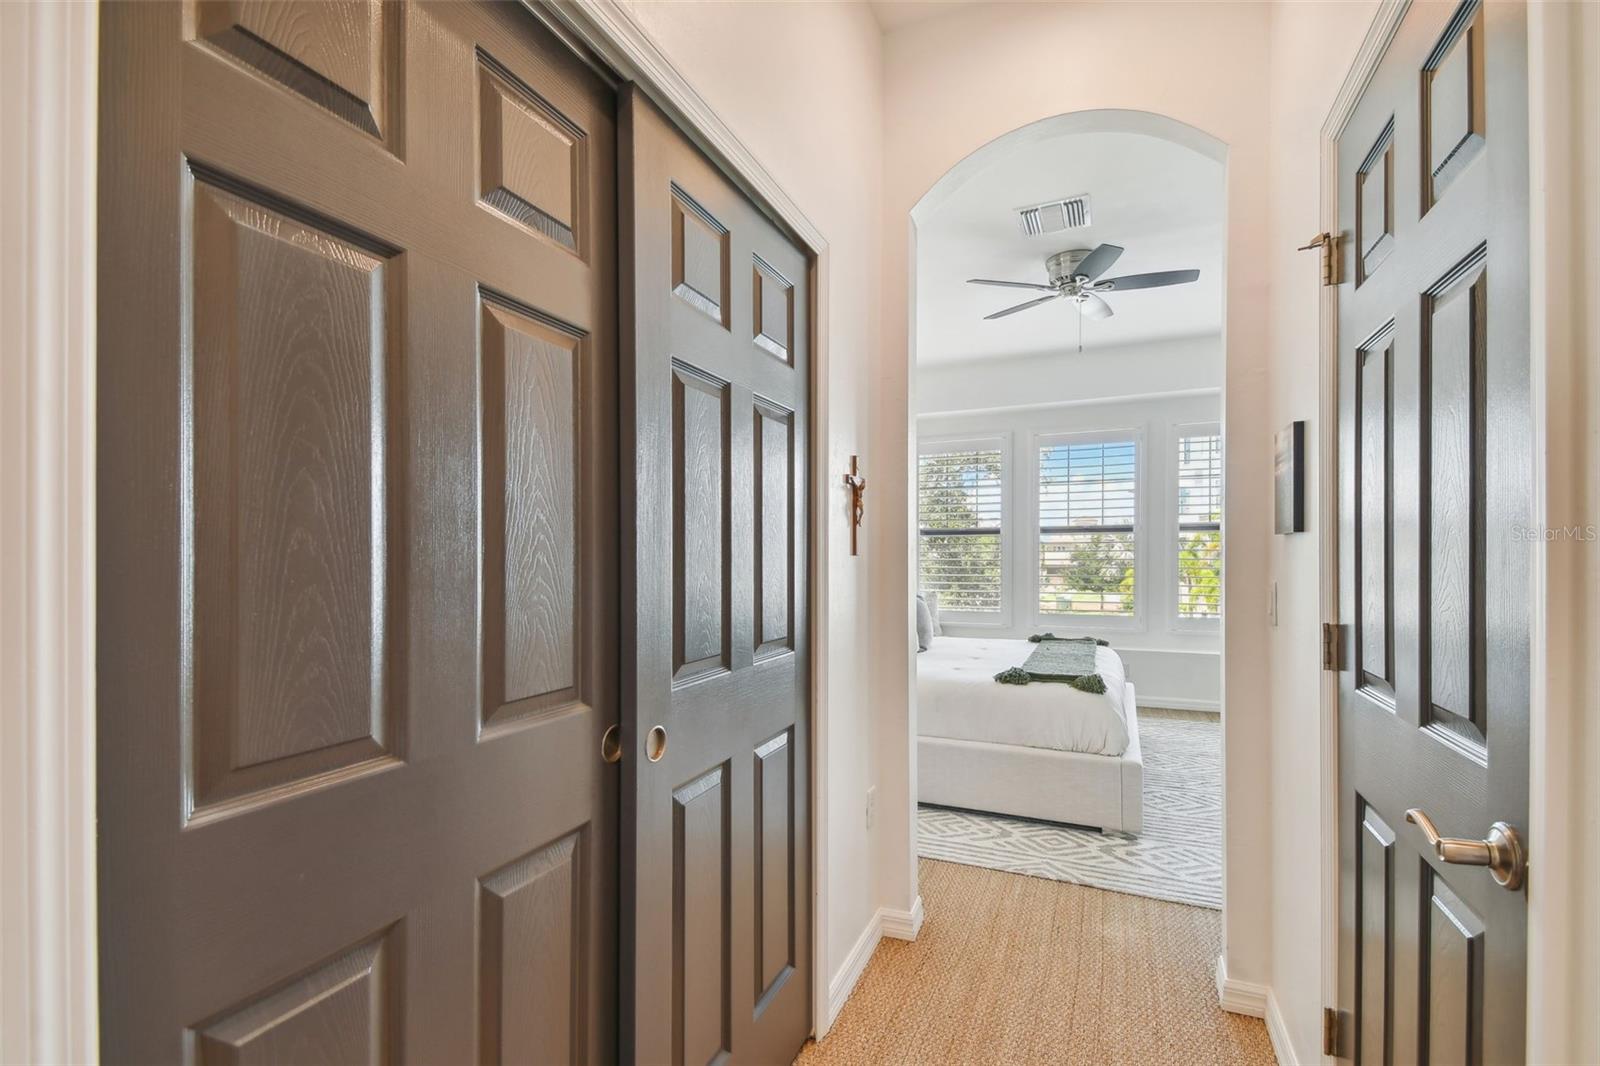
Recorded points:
(951,85)
(799,85)
(1311,47)
(1564,143)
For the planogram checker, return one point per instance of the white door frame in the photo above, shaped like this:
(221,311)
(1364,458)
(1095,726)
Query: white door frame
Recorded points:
(1562,967)
(48,977)
(49,66)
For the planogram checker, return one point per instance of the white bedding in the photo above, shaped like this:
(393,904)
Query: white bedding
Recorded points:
(958,698)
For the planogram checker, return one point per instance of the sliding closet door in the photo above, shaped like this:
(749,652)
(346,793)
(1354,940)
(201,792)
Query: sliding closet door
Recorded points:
(716,799)
(357,537)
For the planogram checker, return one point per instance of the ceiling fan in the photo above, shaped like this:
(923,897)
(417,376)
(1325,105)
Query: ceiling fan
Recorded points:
(1075,275)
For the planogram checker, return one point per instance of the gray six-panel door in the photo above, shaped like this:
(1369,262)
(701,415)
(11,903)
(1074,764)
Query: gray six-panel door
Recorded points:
(716,885)
(357,522)
(1436,469)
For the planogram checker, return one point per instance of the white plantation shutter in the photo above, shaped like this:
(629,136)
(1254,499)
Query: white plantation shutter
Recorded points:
(1199,525)
(1088,502)
(959,507)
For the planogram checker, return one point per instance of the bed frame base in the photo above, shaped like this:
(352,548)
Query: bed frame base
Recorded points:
(1096,791)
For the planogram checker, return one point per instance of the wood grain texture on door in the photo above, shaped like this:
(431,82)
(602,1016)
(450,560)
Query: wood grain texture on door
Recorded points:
(1435,511)
(716,884)
(357,517)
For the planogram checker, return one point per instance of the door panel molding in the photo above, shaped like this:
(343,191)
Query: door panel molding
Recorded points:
(265,598)
(355,999)
(533,926)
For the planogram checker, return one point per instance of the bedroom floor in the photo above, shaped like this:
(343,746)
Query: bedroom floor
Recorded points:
(1177,856)
(1014,969)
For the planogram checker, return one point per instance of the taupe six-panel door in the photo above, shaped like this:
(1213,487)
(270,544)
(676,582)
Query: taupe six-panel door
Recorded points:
(357,514)
(716,837)
(1435,470)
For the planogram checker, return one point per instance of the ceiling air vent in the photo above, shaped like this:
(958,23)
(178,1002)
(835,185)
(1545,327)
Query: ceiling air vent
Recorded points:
(1055,216)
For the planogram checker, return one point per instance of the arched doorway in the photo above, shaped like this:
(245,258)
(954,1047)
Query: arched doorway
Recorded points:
(1167,427)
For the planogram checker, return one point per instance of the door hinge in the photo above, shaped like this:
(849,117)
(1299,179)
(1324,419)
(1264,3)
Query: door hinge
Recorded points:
(1332,1031)
(1332,646)
(1328,250)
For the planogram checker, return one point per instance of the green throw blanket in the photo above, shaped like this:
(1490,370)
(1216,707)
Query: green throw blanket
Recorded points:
(1059,659)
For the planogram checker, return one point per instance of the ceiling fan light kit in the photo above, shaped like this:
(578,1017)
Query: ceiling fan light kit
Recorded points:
(1075,275)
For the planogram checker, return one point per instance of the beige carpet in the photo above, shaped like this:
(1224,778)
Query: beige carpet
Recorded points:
(1014,969)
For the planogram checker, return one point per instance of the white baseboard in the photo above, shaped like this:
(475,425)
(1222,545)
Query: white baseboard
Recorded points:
(844,982)
(1256,1001)
(1278,1033)
(1240,997)
(902,925)
(1179,703)
(886,921)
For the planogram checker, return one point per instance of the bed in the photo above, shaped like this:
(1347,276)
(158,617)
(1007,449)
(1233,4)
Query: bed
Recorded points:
(1042,750)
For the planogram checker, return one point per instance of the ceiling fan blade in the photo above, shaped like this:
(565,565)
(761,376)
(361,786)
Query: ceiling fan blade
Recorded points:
(1011,284)
(1021,307)
(1091,306)
(1099,261)
(1151,281)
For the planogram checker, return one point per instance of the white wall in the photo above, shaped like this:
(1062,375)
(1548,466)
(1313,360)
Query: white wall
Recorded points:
(1312,45)
(799,84)
(951,85)
(1171,664)
(1187,364)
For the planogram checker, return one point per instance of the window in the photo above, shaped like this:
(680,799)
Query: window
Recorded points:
(959,511)
(1199,525)
(1087,512)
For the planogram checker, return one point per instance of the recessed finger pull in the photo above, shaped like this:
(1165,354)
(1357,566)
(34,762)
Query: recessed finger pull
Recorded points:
(611,744)
(655,743)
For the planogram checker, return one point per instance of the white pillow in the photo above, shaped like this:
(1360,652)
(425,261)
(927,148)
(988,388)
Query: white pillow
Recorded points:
(932,600)
(924,625)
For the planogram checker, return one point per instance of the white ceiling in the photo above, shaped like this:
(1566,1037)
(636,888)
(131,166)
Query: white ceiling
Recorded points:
(1162,202)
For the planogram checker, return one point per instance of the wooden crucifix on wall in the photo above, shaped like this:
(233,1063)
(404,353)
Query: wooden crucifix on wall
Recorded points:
(858,486)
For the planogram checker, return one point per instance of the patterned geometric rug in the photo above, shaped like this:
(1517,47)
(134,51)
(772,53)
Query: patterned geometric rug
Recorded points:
(1177,857)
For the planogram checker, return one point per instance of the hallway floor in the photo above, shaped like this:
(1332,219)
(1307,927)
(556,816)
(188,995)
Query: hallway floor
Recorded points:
(1015,969)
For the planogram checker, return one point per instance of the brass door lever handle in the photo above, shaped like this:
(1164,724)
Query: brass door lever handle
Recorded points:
(1502,852)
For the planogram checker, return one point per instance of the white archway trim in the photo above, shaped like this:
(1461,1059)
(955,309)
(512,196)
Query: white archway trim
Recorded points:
(1068,124)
